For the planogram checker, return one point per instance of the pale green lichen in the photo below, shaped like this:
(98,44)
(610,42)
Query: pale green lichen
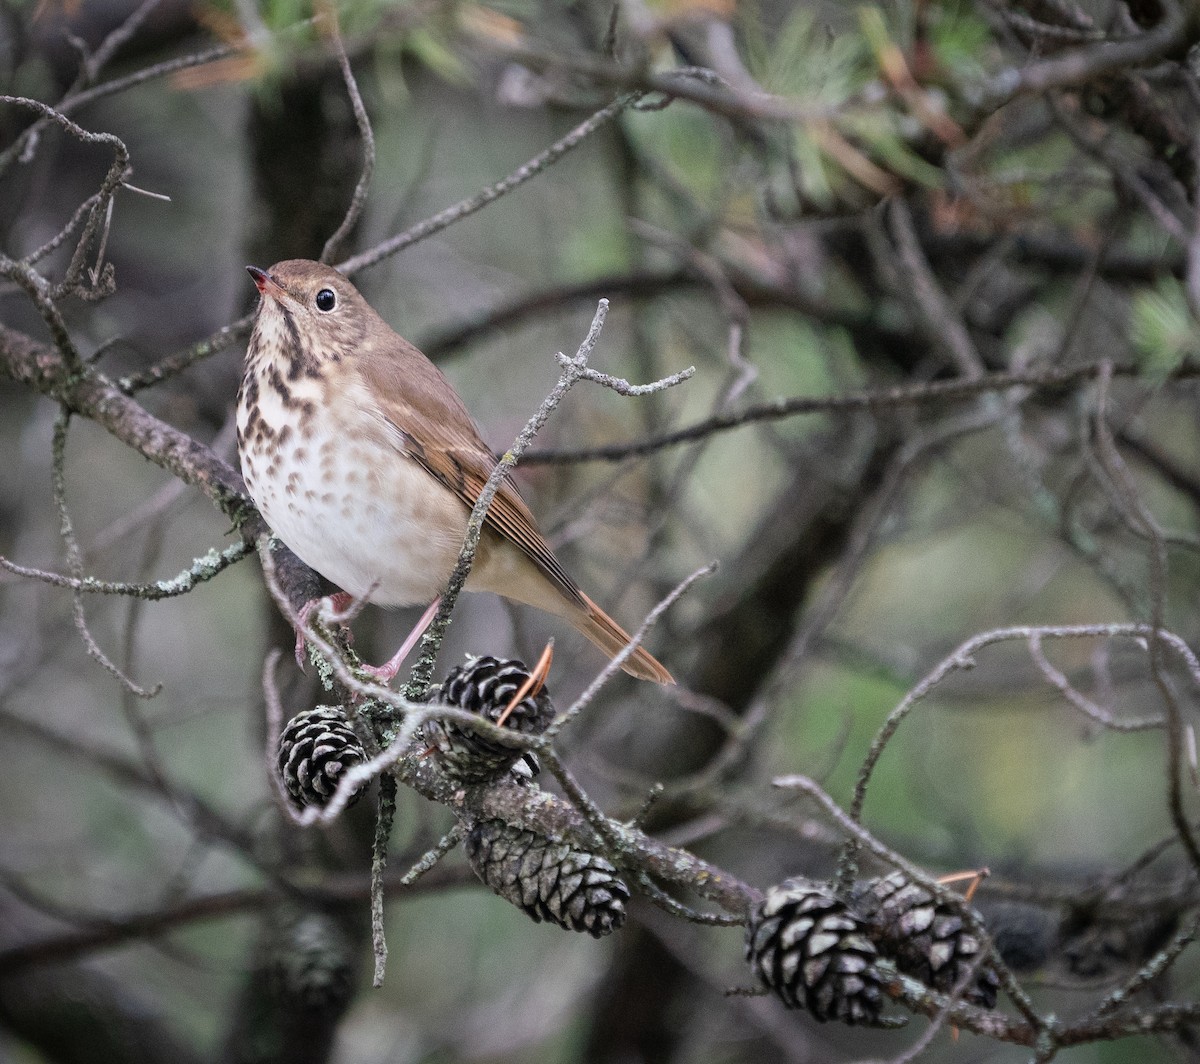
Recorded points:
(203,568)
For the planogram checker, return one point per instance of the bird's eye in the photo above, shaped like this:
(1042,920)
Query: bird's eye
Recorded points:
(326,300)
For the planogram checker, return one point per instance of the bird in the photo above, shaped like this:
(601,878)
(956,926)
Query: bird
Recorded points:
(363,459)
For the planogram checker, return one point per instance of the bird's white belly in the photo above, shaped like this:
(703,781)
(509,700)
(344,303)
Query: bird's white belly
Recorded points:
(359,512)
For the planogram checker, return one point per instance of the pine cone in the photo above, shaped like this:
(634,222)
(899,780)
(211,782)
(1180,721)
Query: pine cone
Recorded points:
(315,751)
(311,964)
(486,686)
(812,951)
(550,880)
(927,939)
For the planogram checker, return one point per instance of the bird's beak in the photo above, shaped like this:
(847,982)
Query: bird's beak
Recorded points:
(266,284)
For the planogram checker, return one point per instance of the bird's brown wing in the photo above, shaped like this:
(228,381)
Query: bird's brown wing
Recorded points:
(436,430)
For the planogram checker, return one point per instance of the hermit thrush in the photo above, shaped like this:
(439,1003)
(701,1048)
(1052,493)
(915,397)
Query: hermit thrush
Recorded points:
(365,462)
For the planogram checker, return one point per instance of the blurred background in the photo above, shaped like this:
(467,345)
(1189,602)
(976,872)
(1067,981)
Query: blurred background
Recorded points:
(835,199)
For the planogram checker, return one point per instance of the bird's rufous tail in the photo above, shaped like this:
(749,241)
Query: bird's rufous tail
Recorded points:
(610,637)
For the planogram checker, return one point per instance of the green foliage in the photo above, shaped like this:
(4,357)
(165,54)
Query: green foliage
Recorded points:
(804,59)
(795,358)
(427,42)
(885,133)
(432,50)
(818,67)
(960,40)
(686,142)
(1162,327)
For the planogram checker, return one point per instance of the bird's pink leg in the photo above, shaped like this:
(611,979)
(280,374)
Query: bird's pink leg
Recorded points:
(386,672)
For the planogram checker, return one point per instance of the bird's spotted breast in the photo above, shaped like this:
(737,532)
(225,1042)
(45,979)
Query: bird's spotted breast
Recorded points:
(333,485)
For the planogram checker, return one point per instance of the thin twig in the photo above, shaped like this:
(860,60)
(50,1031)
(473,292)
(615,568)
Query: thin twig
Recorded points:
(124,33)
(176,363)
(481,199)
(963,657)
(431,857)
(1085,705)
(943,324)
(201,570)
(345,890)
(66,532)
(1083,65)
(22,146)
(1141,519)
(359,199)
(1150,971)
(384,816)
(274,732)
(614,666)
(955,390)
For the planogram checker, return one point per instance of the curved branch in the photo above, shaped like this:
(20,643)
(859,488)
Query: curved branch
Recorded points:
(1081,65)
(955,389)
(92,395)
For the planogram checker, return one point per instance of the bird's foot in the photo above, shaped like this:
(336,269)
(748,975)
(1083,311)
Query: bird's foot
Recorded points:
(339,603)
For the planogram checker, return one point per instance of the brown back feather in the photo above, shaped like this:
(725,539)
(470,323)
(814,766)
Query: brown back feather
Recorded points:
(438,432)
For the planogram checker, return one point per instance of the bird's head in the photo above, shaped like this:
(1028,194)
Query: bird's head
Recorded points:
(312,306)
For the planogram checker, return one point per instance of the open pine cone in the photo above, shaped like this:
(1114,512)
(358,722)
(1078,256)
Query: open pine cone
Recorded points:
(813,952)
(486,686)
(316,749)
(926,938)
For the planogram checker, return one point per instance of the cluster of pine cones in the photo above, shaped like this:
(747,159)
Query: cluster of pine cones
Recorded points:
(548,878)
(814,949)
(318,747)
(817,951)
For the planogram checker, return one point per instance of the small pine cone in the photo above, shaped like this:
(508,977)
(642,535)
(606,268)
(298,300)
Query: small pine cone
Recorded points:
(486,686)
(315,751)
(812,951)
(927,939)
(550,880)
(311,965)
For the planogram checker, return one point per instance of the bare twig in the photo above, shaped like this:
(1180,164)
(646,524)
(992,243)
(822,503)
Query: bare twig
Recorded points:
(1082,65)
(1150,971)
(384,816)
(201,570)
(1085,705)
(429,860)
(955,390)
(471,204)
(274,732)
(963,657)
(359,199)
(1140,518)
(943,324)
(614,666)
(334,891)
(75,560)
(120,36)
